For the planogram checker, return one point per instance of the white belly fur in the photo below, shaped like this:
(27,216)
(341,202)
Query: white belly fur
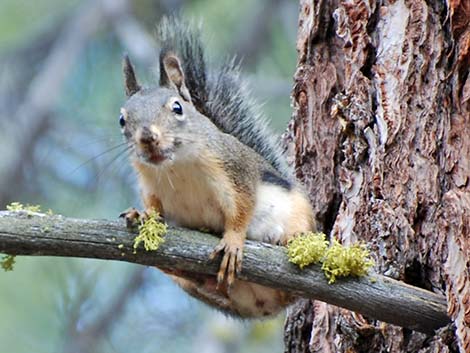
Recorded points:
(187,195)
(273,208)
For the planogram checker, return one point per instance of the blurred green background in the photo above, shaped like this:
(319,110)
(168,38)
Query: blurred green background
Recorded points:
(60,94)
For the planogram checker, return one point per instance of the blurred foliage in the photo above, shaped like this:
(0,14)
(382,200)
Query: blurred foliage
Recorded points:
(21,19)
(78,168)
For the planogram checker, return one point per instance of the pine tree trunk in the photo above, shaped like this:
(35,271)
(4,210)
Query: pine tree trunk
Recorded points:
(381,140)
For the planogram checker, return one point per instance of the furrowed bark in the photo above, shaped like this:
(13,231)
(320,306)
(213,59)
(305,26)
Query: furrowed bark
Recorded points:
(25,233)
(379,137)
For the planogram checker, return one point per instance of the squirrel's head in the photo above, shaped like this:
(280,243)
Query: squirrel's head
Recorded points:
(158,123)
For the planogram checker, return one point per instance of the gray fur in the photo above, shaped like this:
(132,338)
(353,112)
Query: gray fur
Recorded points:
(220,94)
(130,81)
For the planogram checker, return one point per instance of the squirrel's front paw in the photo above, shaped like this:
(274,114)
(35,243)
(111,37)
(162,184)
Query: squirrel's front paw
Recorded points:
(134,217)
(232,247)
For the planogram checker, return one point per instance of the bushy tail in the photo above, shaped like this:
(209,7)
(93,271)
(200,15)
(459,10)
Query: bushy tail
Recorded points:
(220,93)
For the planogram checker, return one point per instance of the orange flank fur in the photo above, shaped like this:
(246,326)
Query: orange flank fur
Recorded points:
(301,219)
(152,202)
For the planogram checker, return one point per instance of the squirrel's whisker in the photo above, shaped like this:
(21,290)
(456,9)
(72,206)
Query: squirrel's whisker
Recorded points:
(82,145)
(98,156)
(169,181)
(120,154)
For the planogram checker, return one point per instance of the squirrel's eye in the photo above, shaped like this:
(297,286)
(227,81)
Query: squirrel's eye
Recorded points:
(177,108)
(122,121)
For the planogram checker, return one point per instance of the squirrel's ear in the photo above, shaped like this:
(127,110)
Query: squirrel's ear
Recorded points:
(171,75)
(130,81)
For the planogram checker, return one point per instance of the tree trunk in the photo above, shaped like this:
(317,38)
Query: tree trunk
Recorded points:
(381,140)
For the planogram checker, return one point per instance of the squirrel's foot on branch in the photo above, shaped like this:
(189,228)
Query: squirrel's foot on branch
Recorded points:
(134,217)
(232,247)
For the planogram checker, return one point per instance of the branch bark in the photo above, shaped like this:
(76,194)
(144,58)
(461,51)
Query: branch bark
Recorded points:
(379,297)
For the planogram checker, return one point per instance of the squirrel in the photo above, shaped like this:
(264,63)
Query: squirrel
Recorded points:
(205,159)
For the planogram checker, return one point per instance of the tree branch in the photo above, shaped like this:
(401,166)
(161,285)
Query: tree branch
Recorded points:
(376,296)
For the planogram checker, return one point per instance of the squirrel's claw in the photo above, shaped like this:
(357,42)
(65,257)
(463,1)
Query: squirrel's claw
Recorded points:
(133,217)
(231,262)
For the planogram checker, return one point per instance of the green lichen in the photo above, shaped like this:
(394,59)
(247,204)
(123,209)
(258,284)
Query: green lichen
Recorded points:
(151,232)
(7,262)
(337,260)
(18,206)
(307,249)
(342,261)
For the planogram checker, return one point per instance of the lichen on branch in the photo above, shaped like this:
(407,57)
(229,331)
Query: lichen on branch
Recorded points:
(343,261)
(18,206)
(7,263)
(337,260)
(151,233)
(307,249)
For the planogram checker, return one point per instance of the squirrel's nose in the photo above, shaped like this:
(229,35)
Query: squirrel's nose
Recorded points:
(147,136)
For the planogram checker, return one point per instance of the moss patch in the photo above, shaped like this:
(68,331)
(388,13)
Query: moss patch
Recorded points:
(342,261)
(7,262)
(150,233)
(307,249)
(17,206)
(337,260)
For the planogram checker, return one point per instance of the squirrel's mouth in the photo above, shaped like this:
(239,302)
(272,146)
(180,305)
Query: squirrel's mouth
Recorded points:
(154,157)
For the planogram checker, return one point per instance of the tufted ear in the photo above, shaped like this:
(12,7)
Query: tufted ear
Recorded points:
(172,75)
(130,81)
